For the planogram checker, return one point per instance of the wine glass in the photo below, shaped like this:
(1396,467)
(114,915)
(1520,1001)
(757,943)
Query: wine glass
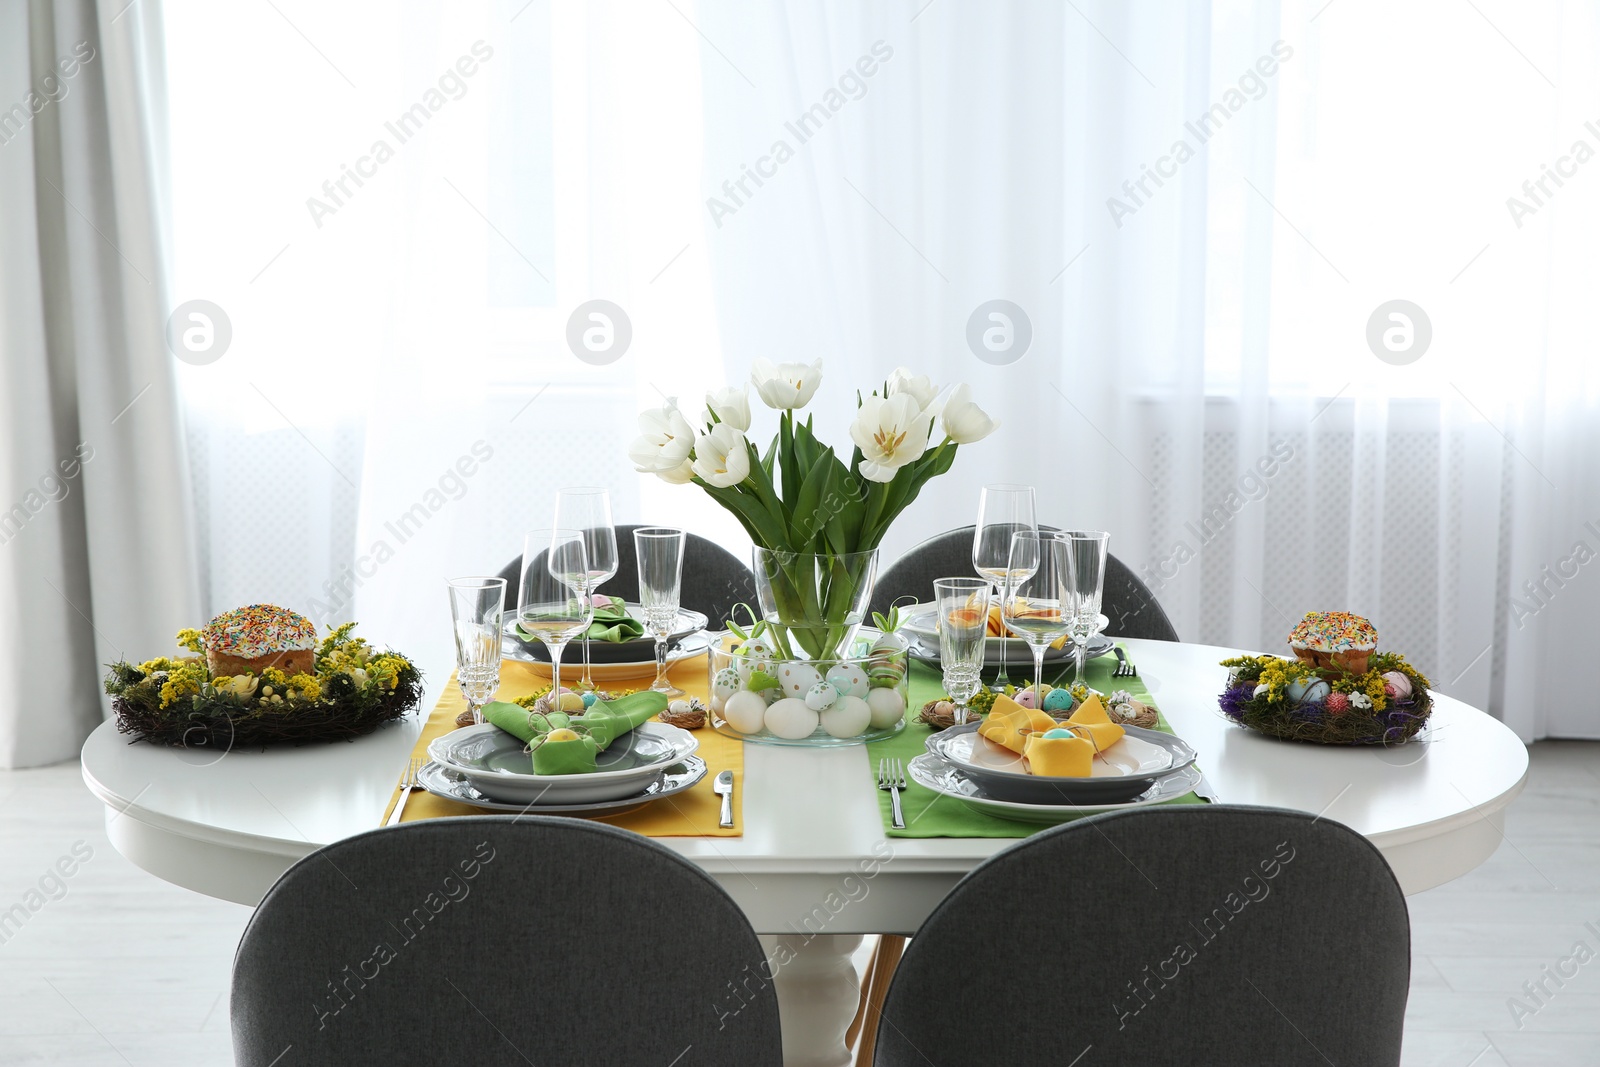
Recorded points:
(555,604)
(1037,597)
(1003,510)
(660,552)
(587,508)
(477,605)
(963,613)
(1086,575)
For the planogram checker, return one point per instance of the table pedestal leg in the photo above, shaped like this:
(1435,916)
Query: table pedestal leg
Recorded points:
(818,992)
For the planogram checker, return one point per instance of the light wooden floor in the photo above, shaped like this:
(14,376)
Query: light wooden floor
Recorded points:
(126,969)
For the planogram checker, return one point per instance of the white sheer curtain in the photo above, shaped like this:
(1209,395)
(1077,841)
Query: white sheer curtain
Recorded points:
(1198,381)
(95,534)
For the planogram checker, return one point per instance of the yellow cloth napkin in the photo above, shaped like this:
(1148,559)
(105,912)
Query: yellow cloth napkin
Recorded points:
(1009,724)
(1091,721)
(1073,757)
(692,813)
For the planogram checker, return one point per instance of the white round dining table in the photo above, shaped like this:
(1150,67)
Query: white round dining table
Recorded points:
(229,824)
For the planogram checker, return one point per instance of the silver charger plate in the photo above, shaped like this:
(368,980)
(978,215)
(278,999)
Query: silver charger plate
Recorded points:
(439,780)
(637,650)
(1123,772)
(498,767)
(931,772)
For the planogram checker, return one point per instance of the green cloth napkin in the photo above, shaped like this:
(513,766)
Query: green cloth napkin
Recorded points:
(602,723)
(931,814)
(612,624)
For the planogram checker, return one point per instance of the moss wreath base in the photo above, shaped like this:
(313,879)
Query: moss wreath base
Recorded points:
(177,702)
(1359,709)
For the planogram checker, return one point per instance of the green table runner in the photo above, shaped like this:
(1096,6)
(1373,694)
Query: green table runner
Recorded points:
(930,814)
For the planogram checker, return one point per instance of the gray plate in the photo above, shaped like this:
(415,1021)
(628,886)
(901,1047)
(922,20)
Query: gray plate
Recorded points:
(640,648)
(497,765)
(931,772)
(1000,773)
(443,782)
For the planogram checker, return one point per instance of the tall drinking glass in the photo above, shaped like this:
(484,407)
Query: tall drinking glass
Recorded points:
(477,605)
(587,509)
(1086,576)
(1035,607)
(660,552)
(963,606)
(1003,510)
(555,604)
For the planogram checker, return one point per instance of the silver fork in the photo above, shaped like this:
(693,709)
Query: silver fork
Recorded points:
(1125,667)
(408,784)
(891,779)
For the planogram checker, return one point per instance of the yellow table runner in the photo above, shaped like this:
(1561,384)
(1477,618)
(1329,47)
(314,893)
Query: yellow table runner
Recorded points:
(692,813)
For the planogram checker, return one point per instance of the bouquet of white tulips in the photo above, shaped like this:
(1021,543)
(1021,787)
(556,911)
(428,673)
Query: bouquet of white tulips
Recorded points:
(811,512)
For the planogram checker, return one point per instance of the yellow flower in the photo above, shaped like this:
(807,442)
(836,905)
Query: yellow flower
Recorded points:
(275,676)
(184,680)
(160,663)
(192,640)
(305,687)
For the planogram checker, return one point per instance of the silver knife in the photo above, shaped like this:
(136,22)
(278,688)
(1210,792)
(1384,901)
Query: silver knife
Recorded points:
(723,787)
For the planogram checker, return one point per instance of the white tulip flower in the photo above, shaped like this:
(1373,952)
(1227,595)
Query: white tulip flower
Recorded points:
(721,457)
(965,422)
(731,406)
(919,386)
(665,438)
(785,386)
(891,432)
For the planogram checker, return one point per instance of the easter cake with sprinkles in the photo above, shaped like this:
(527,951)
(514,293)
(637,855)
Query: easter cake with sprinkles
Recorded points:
(250,639)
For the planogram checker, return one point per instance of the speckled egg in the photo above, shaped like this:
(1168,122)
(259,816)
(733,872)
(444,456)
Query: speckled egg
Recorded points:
(849,679)
(888,707)
(589,700)
(1058,700)
(752,664)
(1397,685)
(797,678)
(791,720)
(849,717)
(821,697)
(745,712)
(1024,697)
(726,683)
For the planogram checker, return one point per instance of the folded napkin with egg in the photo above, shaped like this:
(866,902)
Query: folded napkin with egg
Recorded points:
(568,744)
(1055,749)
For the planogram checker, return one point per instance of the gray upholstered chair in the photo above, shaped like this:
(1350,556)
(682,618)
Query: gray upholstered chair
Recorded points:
(500,939)
(1127,601)
(1174,935)
(713,578)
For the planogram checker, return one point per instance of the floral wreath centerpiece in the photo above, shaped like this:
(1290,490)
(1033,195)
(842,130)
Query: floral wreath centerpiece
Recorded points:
(816,521)
(1337,690)
(259,676)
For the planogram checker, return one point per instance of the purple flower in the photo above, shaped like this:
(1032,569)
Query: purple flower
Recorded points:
(1234,699)
(1396,719)
(1306,712)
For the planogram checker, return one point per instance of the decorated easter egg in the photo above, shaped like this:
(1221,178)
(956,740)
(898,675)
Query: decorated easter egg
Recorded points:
(849,679)
(726,683)
(754,655)
(848,717)
(1397,685)
(885,674)
(821,697)
(1059,733)
(888,707)
(1316,692)
(1058,700)
(797,678)
(790,719)
(562,734)
(745,711)
(680,707)
(889,642)
(589,699)
(1295,690)
(1024,697)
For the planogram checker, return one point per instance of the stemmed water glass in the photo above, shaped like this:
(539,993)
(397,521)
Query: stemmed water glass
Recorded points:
(660,552)
(476,607)
(1086,575)
(1003,510)
(1036,606)
(587,509)
(963,613)
(555,605)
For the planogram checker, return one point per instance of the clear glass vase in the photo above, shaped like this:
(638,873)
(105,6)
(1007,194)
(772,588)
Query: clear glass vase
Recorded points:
(814,604)
(759,696)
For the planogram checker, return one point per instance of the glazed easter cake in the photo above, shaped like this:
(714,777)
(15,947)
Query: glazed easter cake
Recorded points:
(1338,689)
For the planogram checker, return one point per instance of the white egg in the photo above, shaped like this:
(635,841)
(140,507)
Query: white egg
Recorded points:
(821,697)
(745,712)
(849,717)
(1260,689)
(791,719)
(888,707)
(797,677)
(717,702)
(850,679)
